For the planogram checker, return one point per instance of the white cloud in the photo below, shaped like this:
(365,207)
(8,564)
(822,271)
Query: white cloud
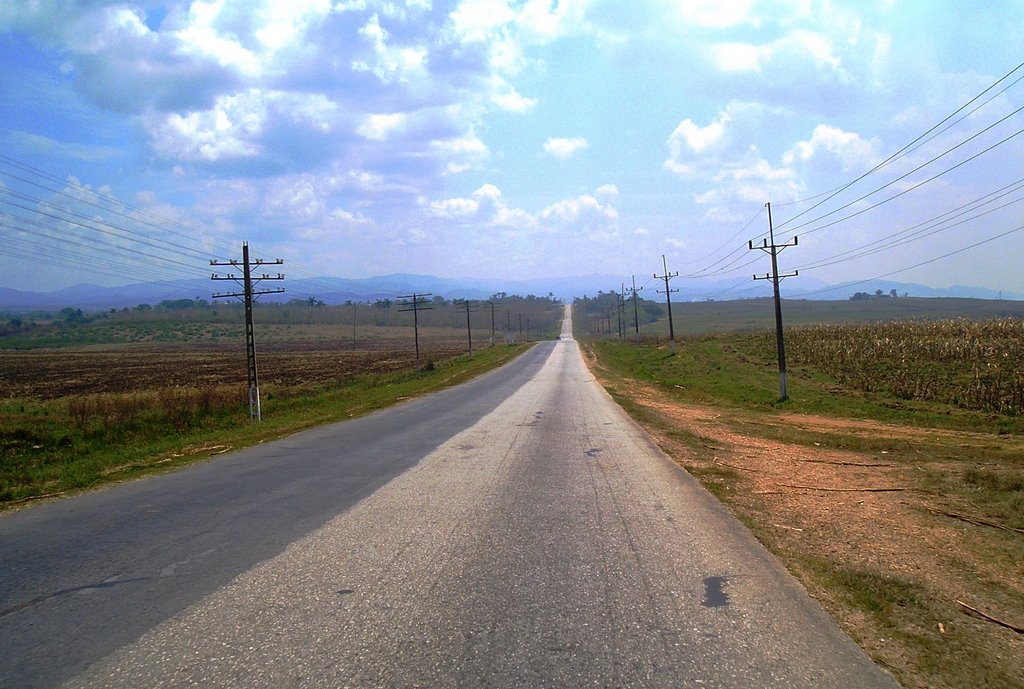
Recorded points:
(380,127)
(690,142)
(587,208)
(344,216)
(455,208)
(474,21)
(390,64)
(584,214)
(460,153)
(564,149)
(512,101)
(717,14)
(228,130)
(202,38)
(739,57)
(851,151)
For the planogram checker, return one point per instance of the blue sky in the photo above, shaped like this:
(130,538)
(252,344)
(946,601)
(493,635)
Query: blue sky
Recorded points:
(508,138)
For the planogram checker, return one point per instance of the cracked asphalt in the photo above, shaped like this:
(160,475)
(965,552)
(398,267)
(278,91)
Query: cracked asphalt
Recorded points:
(545,543)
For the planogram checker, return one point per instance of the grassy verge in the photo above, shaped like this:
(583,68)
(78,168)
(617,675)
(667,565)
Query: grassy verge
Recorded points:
(889,566)
(61,446)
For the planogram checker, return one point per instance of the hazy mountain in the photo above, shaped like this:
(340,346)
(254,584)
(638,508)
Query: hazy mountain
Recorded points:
(339,290)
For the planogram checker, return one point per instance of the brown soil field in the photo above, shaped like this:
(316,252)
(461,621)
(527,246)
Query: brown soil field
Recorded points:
(54,373)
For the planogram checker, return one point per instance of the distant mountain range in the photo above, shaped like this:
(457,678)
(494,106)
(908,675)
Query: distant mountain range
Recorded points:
(339,290)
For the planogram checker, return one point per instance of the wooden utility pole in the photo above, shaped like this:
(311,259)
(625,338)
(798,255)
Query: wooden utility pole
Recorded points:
(491,304)
(668,301)
(415,302)
(353,326)
(468,306)
(636,313)
(770,247)
(248,295)
(620,308)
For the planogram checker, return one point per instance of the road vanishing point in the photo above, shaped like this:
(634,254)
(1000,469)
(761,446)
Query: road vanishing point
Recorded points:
(516,531)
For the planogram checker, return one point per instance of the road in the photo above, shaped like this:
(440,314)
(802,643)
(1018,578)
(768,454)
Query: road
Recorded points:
(517,531)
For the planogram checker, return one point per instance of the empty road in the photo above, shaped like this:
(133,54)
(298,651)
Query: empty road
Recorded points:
(518,531)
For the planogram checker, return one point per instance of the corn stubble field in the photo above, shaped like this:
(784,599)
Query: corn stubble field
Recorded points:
(976,365)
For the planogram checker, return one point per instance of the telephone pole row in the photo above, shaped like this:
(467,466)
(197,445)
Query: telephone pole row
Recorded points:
(248,295)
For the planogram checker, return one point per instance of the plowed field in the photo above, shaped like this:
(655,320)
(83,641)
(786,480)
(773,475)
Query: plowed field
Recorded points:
(54,373)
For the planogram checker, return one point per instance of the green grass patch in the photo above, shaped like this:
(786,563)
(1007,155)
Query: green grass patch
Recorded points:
(878,595)
(71,444)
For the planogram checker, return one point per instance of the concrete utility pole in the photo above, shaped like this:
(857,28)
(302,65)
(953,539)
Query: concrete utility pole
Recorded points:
(636,313)
(248,296)
(668,301)
(415,302)
(770,247)
(468,306)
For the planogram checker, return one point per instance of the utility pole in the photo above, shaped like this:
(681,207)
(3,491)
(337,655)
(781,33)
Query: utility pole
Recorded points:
(353,326)
(491,304)
(636,313)
(248,296)
(415,302)
(468,305)
(668,301)
(621,298)
(509,337)
(770,247)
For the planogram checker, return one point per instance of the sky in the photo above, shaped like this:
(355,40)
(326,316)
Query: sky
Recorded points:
(512,139)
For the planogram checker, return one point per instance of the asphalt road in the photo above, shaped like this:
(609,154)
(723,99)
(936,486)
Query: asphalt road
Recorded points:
(519,531)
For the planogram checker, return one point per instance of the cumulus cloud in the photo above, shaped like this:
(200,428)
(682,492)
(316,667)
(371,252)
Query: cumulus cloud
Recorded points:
(587,213)
(387,62)
(230,129)
(689,142)
(378,127)
(287,85)
(563,149)
(847,148)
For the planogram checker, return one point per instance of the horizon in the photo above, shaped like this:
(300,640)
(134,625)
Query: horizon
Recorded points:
(517,139)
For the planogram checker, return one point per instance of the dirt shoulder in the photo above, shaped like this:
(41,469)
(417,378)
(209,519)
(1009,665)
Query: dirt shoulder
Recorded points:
(859,511)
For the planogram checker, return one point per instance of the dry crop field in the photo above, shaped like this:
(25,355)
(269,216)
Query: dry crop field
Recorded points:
(975,365)
(55,373)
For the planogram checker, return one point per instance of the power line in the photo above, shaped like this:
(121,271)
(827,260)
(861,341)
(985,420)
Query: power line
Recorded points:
(920,264)
(901,177)
(924,229)
(905,148)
